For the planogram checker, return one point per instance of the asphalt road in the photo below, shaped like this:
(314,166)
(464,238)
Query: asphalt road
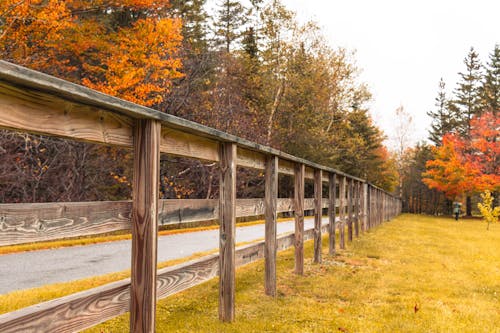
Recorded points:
(26,270)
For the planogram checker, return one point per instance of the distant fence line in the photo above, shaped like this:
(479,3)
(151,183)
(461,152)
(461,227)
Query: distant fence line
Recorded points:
(37,103)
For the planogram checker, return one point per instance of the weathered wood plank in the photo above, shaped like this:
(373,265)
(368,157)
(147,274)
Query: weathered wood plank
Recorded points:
(331,212)
(271,208)
(318,207)
(356,207)
(145,225)
(25,223)
(227,213)
(88,308)
(349,209)
(40,113)
(342,214)
(183,144)
(299,218)
(251,159)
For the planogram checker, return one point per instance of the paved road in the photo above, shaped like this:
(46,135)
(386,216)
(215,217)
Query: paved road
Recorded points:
(34,269)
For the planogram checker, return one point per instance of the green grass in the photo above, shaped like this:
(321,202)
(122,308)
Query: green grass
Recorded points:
(413,274)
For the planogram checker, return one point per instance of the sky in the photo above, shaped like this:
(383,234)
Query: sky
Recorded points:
(405,47)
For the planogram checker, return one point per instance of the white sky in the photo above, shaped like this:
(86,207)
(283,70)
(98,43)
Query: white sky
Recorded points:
(405,47)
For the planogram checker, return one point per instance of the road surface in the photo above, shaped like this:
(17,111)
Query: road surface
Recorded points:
(26,270)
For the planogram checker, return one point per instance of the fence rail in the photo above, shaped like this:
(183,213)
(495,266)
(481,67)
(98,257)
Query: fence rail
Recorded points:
(37,103)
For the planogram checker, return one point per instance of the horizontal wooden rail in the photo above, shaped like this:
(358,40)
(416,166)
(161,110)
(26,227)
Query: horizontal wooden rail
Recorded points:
(88,308)
(25,223)
(37,103)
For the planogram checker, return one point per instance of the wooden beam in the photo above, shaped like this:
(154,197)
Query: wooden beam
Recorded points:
(318,208)
(25,223)
(40,113)
(299,218)
(145,225)
(357,192)
(184,144)
(342,215)
(349,209)
(331,212)
(76,312)
(271,208)
(227,211)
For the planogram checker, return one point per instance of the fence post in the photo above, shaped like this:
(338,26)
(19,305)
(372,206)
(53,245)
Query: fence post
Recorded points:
(342,215)
(271,208)
(349,209)
(298,204)
(357,195)
(318,209)
(364,206)
(144,225)
(227,219)
(331,212)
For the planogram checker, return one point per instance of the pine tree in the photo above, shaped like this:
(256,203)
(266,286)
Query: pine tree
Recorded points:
(491,83)
(229,24)
(468,93)
(443,117)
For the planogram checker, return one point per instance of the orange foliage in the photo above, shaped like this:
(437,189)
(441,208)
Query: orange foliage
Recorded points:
(125,48)
(462,166)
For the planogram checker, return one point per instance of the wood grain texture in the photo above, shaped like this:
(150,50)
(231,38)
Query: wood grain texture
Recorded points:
(271,208)
(342,214)
(318,208)
(251,159)
(40,113)
(183,144)
(145,225)
(227,235)
(25,223)
(299,217)
(350,202)
(332,180)
(88,308)
(357,198)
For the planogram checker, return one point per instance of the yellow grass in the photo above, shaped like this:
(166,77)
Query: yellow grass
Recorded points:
(413,274)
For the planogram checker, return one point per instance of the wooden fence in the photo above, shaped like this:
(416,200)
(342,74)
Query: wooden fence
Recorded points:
(37,103)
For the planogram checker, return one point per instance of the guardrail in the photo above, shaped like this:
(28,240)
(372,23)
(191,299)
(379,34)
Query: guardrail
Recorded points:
(34,102)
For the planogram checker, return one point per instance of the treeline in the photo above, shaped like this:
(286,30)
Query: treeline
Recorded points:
(464,158)
(247,68)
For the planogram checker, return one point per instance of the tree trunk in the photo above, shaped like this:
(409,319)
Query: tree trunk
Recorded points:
(468,206)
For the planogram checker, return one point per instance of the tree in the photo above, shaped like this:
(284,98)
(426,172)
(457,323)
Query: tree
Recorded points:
(449,171)
(468,94)
(489,212)
(443,118)
(229,24)
(126,49)
(490,92)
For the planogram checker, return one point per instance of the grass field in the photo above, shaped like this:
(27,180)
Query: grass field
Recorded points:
(413,274)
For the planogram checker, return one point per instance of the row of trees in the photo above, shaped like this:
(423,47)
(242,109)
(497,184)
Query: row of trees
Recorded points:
(464,159)
(249,69)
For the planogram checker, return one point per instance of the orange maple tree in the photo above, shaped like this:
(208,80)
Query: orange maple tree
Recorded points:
(124,48)
(465,166)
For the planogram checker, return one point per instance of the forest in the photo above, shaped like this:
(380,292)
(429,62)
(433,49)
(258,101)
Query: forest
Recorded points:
(249,68)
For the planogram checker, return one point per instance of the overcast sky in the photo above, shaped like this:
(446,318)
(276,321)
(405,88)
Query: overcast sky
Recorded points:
(405,47)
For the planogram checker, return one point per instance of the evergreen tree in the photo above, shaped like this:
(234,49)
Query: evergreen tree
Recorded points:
(491,83)
(229,23)
(443,117)
(468,93)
